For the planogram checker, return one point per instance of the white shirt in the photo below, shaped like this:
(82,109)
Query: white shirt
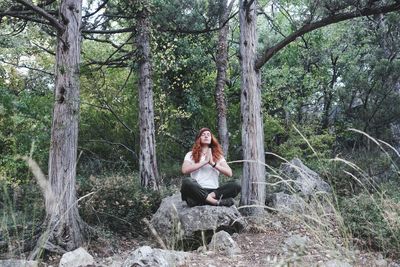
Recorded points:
(206,176)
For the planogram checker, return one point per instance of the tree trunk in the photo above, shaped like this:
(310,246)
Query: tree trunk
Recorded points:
(328,94)
(64,225)
(253,182)
(147,158)
(222,64)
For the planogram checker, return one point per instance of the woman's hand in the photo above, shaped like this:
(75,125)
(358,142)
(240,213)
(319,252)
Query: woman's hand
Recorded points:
(210,157)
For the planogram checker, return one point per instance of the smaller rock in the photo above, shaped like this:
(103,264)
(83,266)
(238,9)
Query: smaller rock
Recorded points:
(76,258)
(146,256)
(222,242)
(287,203)
(381,263)
(336,263)
(296,243)
(18,263)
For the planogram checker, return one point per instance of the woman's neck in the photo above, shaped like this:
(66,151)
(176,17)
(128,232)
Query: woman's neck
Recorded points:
(204,148)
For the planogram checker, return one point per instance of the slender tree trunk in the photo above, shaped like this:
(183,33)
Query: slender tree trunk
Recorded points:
(253,182)
(64,225)
(328,94)
(147,158)
(222,64)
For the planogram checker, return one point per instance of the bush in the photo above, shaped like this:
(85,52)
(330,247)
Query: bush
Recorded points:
(375,218)
(118,203)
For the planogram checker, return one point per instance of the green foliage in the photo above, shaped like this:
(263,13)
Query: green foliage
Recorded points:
(118,203)
(375,218)
(304,143)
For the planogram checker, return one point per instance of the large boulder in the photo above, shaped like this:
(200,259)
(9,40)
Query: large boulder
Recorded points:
(175,221)
(301,179)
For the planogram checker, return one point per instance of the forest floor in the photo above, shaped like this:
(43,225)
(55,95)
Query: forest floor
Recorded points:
(263,243)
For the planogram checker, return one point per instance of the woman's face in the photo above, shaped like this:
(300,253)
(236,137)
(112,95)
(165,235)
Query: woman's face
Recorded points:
(205,138)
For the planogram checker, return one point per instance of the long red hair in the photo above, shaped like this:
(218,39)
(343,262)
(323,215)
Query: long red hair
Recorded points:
(217,152)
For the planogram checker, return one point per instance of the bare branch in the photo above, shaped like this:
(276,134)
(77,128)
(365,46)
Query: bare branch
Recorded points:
(97,10)
(53,21)
(269,52)
(27,67)
(130,29)
(43,48)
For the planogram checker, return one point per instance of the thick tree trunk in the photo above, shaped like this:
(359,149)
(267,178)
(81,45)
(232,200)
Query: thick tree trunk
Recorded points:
(147,158)
(222,64)
(64,225)
(253,182)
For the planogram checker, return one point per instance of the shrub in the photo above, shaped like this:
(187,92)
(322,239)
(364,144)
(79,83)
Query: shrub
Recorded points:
(375,218)
(118,203)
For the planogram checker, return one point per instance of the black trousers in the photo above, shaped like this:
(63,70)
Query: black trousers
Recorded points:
(195,195)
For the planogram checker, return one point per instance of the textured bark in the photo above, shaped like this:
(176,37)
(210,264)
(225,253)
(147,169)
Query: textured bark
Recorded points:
(253,182)
(147,157)
(328,94)
(222,64)
(64,225)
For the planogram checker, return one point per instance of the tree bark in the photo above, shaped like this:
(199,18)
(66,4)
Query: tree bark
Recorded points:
(147,156)
(222,64)
(253,182)
(64,225)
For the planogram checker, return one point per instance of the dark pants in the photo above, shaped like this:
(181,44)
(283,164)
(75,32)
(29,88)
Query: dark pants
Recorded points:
(195,195)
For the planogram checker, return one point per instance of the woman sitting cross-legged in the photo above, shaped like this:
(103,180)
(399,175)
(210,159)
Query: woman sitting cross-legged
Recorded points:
(204,164)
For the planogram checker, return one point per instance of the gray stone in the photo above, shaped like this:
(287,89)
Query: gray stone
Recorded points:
(336,263)
(223,243)
(174,220)
(301,179)
(76,258)
(287,203)
(19,263)
(296,243)
(148,257)
(381,263)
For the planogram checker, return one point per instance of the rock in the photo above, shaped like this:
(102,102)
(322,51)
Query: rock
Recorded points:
(287,203)
(19,263)
(303,179)
(296,243)
(222,242)
(76,258)
(148,257)
(381,263)
(174,220)
(336,263)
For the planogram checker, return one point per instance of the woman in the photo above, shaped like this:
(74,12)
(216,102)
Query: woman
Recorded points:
(204,163)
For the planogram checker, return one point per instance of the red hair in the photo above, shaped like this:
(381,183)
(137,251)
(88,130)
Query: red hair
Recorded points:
(217,152)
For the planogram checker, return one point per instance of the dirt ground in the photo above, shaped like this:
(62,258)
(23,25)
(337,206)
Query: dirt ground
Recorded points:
(263,243)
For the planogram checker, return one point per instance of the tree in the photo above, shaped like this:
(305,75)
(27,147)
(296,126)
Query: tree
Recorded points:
(64,227)
(147,157)
(250,103)
(252,136)
(222,62)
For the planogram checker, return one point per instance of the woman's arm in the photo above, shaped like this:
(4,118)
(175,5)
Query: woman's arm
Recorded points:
(224,168)
(189,167)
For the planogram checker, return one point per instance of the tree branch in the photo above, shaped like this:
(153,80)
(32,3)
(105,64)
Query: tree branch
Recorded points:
(53,21)
(130,29)
(269,52)
(26,67)
(97,9)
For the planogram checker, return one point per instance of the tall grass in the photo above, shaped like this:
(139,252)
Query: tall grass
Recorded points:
(338,222)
